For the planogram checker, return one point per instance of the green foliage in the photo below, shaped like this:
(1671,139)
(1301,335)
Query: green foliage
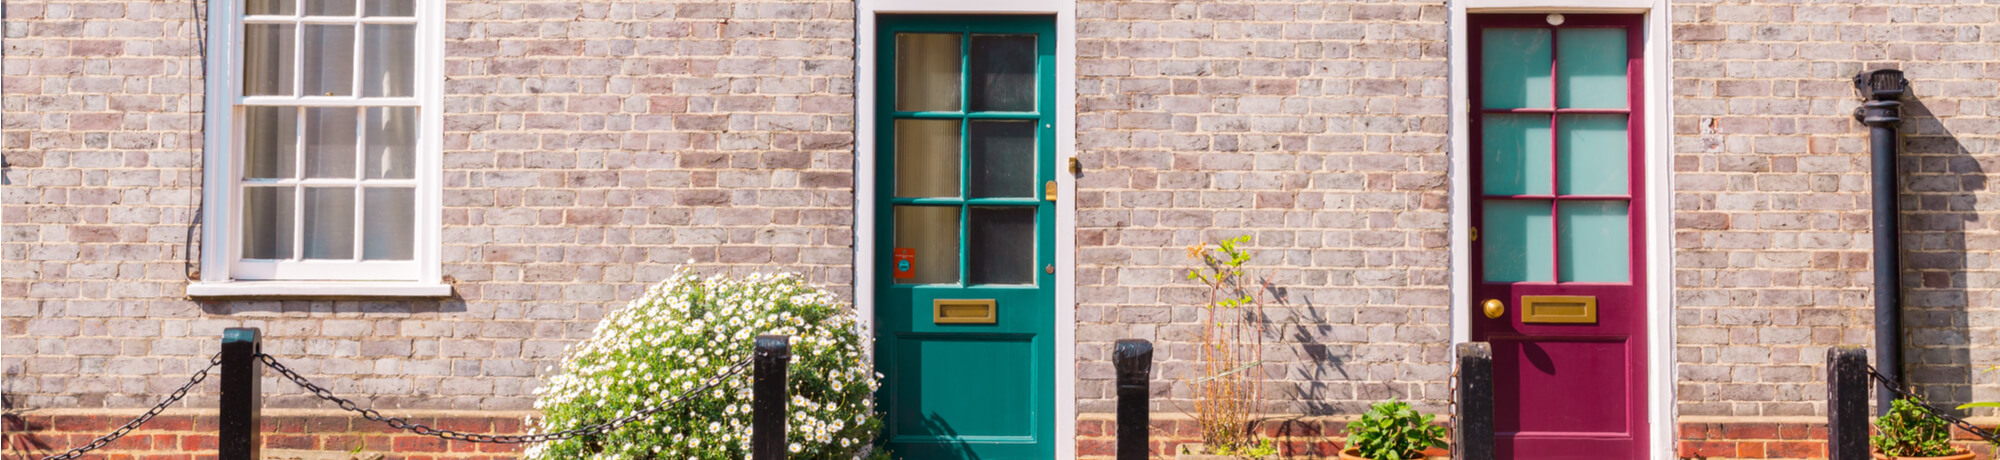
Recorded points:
(688,329)
(1263,449)
(1391,430)
(1910,431)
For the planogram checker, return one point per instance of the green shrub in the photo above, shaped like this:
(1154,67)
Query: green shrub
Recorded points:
(1391,430)
(1910,431)
(684,331)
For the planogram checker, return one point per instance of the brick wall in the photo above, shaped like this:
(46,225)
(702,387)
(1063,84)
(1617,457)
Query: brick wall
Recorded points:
(190,434)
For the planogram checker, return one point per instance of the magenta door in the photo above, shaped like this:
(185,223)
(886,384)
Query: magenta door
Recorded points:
(1558,242)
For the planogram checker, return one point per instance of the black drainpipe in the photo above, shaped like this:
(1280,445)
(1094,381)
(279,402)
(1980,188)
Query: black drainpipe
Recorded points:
(1881,89)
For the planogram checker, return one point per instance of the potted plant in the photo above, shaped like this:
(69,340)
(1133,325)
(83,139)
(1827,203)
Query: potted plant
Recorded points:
(1391,430)
(1910,432)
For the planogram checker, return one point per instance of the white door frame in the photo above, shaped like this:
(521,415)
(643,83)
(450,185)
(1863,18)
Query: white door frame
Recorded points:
(1065,241)
(1660,365)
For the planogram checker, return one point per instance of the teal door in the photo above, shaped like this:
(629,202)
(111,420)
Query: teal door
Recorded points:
(965,156)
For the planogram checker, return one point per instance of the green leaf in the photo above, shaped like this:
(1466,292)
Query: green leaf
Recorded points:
(1979,404)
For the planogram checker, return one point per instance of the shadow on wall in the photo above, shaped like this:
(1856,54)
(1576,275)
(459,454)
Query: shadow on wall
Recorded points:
(1939,204)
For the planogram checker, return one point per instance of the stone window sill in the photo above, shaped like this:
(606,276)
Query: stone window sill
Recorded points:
(311,289)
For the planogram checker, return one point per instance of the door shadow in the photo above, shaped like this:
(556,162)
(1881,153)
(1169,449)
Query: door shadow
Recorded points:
(1941,182)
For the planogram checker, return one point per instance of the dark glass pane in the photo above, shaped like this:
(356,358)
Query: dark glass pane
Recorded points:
(267,59)
(267,222)
(271,142)
(329,142)
(1002,244)
(1003,73)
(329,223)
(329,60)
(392,142)
(256,7)
(388,223)
(329,7)
(1003,159)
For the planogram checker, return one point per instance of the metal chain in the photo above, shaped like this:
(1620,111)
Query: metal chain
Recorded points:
(1934,411)
(101,441)
(420,429)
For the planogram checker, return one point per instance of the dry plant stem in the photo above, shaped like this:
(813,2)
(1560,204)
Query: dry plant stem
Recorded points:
(1228,394)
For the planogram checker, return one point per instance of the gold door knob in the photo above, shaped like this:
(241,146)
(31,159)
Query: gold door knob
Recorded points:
(1494,309)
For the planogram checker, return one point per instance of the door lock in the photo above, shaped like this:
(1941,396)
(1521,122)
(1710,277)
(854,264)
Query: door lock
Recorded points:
(1494,309)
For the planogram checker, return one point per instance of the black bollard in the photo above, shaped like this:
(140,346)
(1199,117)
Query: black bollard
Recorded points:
(238,422)
(1474,432)
(1134,360)
(768,397)
(1847,385)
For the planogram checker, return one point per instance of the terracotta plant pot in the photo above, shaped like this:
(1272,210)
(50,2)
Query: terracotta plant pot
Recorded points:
(1962,454)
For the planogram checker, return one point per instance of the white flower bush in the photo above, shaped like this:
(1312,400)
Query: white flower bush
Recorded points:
(688,329)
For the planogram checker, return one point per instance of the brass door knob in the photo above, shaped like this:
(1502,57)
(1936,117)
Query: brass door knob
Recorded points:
(1494,309)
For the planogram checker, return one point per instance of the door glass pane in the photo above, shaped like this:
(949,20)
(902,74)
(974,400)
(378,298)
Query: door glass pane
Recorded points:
(1593,155)
(255,7)
(329,148)
(329,7)
(1514,154)
(388,59)
(1003,73)
(1596,241)
(391,8)
(388,223)
(927,72)
(271,142)
(931,233)
(329,60)
(329,223)
(392,142)
(1003,159)
(1514,68)
(1002,246)
(267,59)
(1591,64)
(267,222)
(1517,239)
(926,158)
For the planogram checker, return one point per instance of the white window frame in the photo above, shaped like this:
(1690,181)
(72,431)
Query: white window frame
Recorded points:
(224,274)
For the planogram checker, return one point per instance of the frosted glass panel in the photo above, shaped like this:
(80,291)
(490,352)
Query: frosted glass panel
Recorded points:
(255,7)
(1591,65)
(1002,244)
(927,72)
(329,223)
(267,222)
(1003,159)
(329,142)
(926,158)
(1596,241)
(267,59)
(1514,68)
(1517,239)
(270,142)
(392,142)
(1514,154)
(388,223)
(388,60)
(391,8)
(1003,73)
(329,60)
(1593,156)
(329,7)
(931,233)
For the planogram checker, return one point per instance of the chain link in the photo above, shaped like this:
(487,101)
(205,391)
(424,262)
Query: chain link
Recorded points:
(1934,411)
(420,429)
(101,441)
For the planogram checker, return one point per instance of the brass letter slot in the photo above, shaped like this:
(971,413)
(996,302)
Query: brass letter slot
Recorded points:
(1559,309)
(963,311)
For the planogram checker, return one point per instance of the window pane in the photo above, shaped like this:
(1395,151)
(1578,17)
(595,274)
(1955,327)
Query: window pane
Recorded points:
(392,142)
(1003,73)
(1003,159)
(391,8)
(271,142)
(1514,154)
(330,7)
(329,149)
(1592,158)
(329,223)
(926,158)
(267,59)
(1514,68)
(927,72)
(267,222)
(1596,241)
(388,59)
(389,223)
(268,7)
(1517,237)
(1591,64)
(1002,244)
(931,233)
(329,60)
